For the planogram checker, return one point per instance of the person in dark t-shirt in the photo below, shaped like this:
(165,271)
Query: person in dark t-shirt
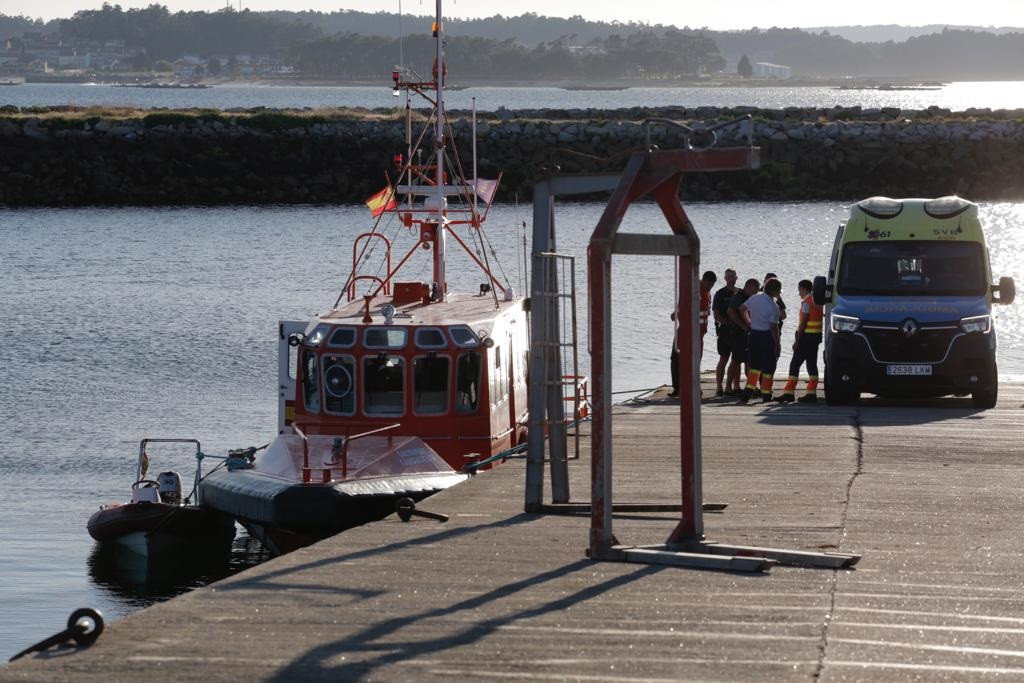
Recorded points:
(740,327)
(723,330)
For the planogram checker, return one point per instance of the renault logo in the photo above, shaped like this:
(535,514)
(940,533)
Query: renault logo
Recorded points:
(909,328)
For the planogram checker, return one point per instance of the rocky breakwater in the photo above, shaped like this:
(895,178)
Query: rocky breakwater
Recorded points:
(75,157)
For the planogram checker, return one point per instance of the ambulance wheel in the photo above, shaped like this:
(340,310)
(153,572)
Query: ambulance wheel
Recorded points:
(836,395)
(985,398)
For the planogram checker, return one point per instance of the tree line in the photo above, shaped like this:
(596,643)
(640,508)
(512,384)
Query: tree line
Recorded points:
(646,55)
(357,45)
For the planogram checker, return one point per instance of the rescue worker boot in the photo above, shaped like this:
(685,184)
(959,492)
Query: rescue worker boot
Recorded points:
(785,398)
(809,398)
(744,397)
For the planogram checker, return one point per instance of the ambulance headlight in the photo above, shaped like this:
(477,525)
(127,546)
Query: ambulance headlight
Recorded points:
(844,323)
(978,323)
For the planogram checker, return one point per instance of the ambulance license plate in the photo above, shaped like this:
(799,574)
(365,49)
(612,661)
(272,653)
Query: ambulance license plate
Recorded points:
(908,369)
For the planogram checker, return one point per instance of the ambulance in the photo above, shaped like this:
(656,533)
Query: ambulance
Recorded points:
(908,303)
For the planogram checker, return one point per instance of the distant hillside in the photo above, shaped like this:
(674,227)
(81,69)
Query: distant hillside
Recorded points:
(15,26)
(356,45)
(527,29)
(880,33)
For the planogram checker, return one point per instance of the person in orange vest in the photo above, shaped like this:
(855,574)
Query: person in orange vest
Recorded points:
(707,281)
(805,347)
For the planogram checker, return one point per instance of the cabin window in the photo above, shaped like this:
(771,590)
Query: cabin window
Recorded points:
(310,382)
(467,383)
(383,385)
(499,378)
(385,338)
(463,336)
(430,384)
(430,338)
(315,337)
(339,384)
(342,338)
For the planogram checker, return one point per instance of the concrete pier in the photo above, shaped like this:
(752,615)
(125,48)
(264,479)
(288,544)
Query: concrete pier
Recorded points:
(929,493)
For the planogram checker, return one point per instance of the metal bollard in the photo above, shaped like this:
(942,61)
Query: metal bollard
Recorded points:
(84,626)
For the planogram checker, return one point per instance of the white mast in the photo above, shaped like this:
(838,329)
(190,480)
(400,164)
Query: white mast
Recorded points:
(439,244)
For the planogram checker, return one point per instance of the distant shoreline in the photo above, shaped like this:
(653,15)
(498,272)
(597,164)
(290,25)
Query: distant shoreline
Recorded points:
(867,83)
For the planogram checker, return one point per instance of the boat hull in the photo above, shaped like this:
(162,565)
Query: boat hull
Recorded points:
(285,516)
(271,500)
(148,528)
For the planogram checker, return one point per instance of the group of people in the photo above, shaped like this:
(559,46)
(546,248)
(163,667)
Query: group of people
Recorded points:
(748,324)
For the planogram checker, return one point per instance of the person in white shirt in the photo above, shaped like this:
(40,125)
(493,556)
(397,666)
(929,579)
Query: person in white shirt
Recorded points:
(761,315)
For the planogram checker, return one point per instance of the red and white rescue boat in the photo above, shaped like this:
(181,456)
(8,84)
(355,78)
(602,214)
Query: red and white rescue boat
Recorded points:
(390,392)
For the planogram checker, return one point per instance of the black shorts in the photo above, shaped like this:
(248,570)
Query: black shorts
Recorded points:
(724,345)
(738,342)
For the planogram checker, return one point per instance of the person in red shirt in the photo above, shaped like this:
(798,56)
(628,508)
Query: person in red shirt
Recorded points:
(707,281)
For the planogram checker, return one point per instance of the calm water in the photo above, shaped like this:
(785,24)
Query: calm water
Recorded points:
(121,324)
(955,96)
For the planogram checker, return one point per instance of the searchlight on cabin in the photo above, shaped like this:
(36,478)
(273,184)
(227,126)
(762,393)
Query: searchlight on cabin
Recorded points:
(946,207)
(881,207)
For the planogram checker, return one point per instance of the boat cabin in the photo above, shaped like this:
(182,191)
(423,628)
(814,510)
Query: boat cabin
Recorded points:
(451,372)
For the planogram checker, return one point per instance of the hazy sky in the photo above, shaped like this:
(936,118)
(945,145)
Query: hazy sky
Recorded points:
(719,15)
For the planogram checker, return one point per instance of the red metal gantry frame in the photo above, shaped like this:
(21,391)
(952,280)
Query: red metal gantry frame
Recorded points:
(659,175)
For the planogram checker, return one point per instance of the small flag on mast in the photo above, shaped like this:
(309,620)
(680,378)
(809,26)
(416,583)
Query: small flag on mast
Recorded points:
(382,201)
(484,189)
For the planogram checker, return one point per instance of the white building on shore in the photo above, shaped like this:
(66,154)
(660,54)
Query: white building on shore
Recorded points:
(768,70)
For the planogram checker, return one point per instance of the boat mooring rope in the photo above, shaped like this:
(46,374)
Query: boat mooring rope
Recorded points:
(514,452)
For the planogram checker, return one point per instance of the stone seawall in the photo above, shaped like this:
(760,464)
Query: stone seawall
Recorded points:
(69,157)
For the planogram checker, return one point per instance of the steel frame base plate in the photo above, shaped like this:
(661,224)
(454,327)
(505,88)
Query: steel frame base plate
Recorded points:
(720,556)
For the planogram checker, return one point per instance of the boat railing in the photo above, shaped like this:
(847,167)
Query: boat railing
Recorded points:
(143,464)
(307,474)
(578,394)
(339,452)
(339,449)
(361,255)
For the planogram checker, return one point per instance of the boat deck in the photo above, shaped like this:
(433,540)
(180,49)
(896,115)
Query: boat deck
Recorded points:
(930,495)
(460,308)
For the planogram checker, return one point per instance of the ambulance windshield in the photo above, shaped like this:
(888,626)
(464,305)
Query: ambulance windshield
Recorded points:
(912,268)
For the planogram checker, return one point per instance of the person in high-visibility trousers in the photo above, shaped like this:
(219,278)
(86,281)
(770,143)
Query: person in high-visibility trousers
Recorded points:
(761,315)
(805,347)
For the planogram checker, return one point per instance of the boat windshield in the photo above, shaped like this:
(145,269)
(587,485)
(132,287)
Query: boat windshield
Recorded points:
(339,384)
(430,384)
(912,268)
(383,385)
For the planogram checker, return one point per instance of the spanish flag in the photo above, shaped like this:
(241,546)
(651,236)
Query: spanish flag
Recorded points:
(382,201)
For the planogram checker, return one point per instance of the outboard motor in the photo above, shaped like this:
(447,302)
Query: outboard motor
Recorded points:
(170,487)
